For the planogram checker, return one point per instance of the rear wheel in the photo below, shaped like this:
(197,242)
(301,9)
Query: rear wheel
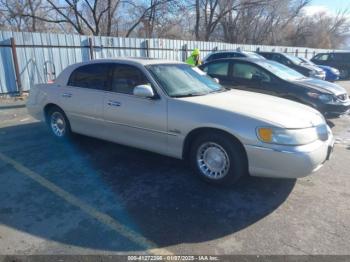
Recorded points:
(218,158)
(58,123)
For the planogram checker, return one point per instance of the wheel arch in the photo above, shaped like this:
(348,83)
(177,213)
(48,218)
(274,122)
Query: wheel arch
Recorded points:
(47,108)
(191,136)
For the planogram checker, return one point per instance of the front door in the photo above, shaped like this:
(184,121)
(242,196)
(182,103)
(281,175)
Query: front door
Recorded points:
(132,120)
(250,77)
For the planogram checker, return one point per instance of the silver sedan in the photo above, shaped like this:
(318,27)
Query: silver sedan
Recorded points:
(173,109)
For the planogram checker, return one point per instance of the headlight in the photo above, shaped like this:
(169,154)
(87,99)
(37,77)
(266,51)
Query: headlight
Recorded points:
(291,137)
(312,73)
(323,97)
(335,71)
(317,74)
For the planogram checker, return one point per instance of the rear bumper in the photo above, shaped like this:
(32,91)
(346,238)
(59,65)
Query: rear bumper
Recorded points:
(287,161)
(36,112)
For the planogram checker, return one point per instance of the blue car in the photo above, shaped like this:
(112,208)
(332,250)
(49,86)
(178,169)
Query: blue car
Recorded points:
(332,74)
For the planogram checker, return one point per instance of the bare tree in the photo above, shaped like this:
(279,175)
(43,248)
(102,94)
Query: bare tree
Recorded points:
(11,11)
(145,13)
(237,21)
(321,30)
(84,16)
(264,23)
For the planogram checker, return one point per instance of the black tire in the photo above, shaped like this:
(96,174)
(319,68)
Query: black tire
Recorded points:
(234,152)
(344,73)
(56,114)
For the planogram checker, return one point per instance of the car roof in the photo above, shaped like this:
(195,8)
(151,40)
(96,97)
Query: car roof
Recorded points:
(131,60)
(246,59)
(64,75)
(269,52)
(231,51)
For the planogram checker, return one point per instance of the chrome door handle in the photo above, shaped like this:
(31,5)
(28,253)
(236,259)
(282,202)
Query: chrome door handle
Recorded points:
(113,103)
(66,95)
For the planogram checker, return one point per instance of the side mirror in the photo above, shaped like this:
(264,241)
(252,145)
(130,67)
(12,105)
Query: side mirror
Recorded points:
(144,91)
(216,80)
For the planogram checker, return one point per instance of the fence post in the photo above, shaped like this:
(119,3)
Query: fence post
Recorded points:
(184,52)
(91,49)
(147,48)
(15,63)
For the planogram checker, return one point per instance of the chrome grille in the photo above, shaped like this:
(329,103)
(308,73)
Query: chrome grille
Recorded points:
(343,97)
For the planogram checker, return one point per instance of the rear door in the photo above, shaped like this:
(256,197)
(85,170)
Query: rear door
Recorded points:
(132,120)
(82,98)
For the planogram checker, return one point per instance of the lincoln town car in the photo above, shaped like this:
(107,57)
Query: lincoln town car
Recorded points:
(173,109)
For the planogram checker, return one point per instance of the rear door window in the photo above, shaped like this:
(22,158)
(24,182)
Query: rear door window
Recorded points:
(340,57)
(92,76)
(217,69)
(266,55)
(218,56)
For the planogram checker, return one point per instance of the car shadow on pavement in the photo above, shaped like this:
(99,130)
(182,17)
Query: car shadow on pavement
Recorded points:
(156,196)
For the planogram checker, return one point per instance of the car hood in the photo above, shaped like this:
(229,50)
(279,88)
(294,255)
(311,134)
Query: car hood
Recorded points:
(326,67)
(321,86)
(270,109)
(311,67)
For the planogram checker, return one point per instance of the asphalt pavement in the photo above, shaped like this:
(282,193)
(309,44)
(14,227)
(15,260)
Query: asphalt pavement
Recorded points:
(95,197)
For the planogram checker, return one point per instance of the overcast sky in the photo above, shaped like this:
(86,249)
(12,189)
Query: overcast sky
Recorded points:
(330,6)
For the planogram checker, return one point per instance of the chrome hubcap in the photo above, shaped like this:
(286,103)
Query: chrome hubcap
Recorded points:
(58,124)
(213,160)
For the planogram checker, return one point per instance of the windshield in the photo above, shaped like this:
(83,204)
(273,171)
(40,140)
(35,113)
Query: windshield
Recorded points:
(294,59)
(306,61)
(180,80)
(254,55)
(280,70)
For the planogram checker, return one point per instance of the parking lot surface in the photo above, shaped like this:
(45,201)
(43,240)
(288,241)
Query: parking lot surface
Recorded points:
(95,197)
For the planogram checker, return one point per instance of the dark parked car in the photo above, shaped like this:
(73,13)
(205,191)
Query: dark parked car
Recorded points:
(332,74)
(273,78)
(295,63)
(230,54)
(338,60)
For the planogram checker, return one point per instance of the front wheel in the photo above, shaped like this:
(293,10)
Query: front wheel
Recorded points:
(218,158)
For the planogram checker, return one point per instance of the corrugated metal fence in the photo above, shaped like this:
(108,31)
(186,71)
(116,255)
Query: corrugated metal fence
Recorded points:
(30,58)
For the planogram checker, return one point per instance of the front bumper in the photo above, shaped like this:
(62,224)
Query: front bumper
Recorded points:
(332,77)
(288,161)
(337,109)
